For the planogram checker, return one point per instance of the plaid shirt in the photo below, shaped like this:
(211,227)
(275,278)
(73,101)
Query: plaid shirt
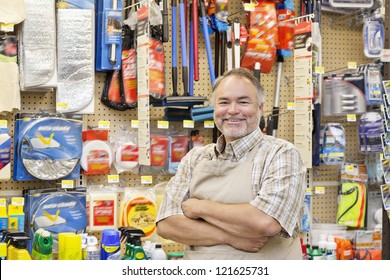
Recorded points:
(278,177)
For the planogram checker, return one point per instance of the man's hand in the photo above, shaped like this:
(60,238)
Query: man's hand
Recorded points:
(191,208)
(252,245)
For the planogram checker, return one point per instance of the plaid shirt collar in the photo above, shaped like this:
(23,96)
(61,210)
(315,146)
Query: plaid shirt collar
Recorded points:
(235,150)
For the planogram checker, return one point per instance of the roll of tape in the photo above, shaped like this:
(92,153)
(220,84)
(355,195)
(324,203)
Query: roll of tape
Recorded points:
(95,145)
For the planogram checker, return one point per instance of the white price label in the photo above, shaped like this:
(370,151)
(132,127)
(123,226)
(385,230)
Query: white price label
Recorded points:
(113,178)
(163,124)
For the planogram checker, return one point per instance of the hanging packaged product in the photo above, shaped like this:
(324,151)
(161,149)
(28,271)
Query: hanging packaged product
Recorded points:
(178,148)
(56,211)
(47,147)
(97,155)
(125,148)
(16,216)
(109,34)
(370,132)
(158,154)
(5,154)
(103,208)
(374,37)
(332,151)
(263,36)
(139,210)
(352,207)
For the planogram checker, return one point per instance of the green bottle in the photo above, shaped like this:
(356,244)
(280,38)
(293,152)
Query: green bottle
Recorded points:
(129,252)
(42,246)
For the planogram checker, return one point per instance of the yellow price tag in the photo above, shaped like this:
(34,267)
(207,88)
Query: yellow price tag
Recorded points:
(3,202)
(104,124)
(3,123)
(208,124)
(7,27)
(67,184)
(146,180)
(113,178)
(62,105)
(352,65)
(309,191)
(249,7)
(17,201)
(319,190)
(188,124)
(134,123)
(163,124)
(319,70)
(291,106)
(351,117)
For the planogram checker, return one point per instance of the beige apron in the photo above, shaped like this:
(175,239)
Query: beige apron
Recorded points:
(230,182)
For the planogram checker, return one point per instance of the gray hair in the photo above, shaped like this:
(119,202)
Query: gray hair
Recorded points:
(242,73)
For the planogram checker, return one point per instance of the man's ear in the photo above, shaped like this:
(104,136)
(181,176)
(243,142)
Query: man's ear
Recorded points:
(261,107)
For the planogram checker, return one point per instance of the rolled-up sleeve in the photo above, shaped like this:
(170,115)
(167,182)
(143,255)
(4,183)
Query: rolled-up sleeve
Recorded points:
(281,185)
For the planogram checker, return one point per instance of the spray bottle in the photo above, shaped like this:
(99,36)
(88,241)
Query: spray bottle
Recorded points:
(16,245)
(134,249)
(42,246)
(17,248)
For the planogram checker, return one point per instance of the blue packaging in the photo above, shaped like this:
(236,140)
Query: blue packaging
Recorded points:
(108,35)
(47,148)
(110,245)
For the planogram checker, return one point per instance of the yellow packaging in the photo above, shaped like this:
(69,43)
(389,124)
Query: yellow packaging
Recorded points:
(15,217)
(69,246)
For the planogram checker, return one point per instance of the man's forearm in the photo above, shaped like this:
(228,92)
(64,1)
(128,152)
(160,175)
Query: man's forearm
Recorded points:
(191,232)
(238,219)
(198,232)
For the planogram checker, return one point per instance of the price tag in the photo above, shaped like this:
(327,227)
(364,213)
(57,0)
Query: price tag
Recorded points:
(351,117)
(6,27)
(67,184)
(3,123)
(249,7)
(62,106)
(113,178)
(319,70)
(208,124)
(291,106)
(319,190)
(146,180)
(3,202)
(104,124)
(309,191)
(163,124)
(134,123)
(188,124)
(352,65)
(17,201)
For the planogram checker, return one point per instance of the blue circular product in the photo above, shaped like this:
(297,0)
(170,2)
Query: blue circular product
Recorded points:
(51,148)
(58,212)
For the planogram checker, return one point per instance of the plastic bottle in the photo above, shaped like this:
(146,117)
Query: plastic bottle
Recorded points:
(331,248)
(315,254)
(42,246)
(110,245)
(148,248)
(158,253)
(91,250)
(322,245)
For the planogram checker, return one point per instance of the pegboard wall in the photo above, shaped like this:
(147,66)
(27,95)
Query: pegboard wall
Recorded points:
(341,44)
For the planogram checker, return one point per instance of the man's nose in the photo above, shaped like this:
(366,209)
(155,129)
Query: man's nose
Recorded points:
(233,108)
